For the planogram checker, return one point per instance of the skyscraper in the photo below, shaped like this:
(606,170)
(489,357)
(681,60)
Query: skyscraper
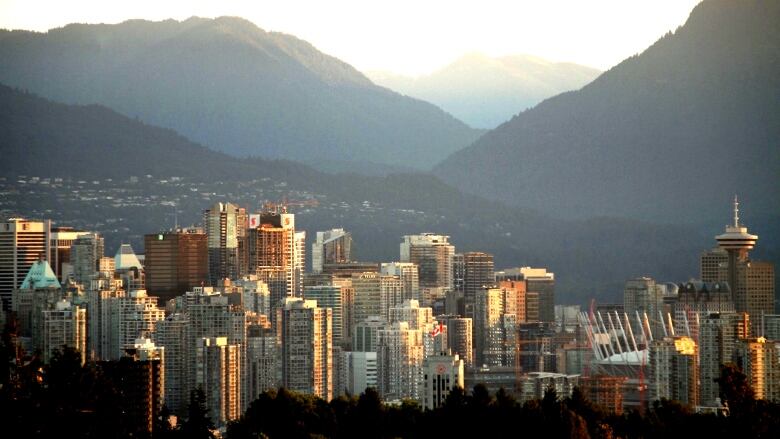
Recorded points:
(172,334)
(225,226)
(85,254)
(218,374)
(718,336)
(305,334)
(368,297)
(674,369)
(22,242)
(400,354)
(433,255)
(695,301)
(329,296)
(272,246)
(751,282)
(478,273)
(175,261)
(758,359)
(134,316)
(65,325)
(140,378)
(409,275)
(60,240)
(644,295)
(460,333)
(495,327)
(331,247)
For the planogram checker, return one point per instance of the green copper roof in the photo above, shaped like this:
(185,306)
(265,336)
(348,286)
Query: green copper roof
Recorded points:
(40,276)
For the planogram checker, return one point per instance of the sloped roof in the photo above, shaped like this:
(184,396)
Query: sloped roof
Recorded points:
(40,276)
(126,258)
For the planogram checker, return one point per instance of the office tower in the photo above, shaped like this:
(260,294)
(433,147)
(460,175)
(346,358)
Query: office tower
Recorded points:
(218,374)
(400,354)
(718,336)
(758,359)
(409,275)
(256,296)
(40,290)
(175,262)
(305,334)
(22,242)
(139,376)
(442,373)
(495,327)
(673,367)
(85,254)
(331,247)
(332,297)
(263,368)
(345,270)
(460,332)
(226,231)
(299,262)
(65,325)
(366,334)
(771,327)
(478,273)
(433,255)
(751,282)
(60,240)
(542,282)
(273,246)
(133,316)
(359,371)
(696,300)
(713,264)
(368,296)
(644,295)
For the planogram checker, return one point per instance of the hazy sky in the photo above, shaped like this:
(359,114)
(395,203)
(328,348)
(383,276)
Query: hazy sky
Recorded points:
(406,36)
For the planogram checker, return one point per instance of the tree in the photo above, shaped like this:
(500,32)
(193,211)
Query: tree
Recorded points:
(198,423)
(734,388)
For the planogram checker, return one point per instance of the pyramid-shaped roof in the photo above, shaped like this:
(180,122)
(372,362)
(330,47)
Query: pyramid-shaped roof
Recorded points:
(40,276)
(126,258)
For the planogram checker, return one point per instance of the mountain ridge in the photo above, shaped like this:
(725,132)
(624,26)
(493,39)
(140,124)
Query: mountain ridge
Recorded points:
(228,84)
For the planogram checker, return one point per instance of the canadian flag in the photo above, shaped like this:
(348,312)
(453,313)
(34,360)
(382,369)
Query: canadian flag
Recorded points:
(437,330)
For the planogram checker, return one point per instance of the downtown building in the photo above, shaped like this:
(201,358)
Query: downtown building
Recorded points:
(331,247)
(64,325)
(752,283)
(433,255)
(175,262)
(718,335)
(305,336)
(495,327)
(400,354)
(60,241)
(674,371)
(218,374)
(442,373)
(226,230)
(22,242)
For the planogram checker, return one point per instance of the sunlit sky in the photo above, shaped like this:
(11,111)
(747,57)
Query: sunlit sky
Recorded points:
(405,36)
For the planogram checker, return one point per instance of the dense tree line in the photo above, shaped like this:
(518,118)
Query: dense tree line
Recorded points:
(66,399)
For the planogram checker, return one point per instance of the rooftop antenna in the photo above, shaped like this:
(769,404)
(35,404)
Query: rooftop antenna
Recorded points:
(736,211)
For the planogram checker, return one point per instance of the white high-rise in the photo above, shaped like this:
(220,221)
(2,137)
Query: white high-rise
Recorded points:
(409,275)
(400,355)
(218,371)
(65,325)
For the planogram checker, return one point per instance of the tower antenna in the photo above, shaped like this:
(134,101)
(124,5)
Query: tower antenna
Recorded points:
(736,211)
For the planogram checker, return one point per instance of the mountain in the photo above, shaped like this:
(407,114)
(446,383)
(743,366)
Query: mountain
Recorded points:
(669,135)
(92,168)
(226,83)
(485,92)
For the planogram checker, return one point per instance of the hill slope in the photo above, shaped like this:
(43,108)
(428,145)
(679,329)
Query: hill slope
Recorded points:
(669,135)
(485,92)
(228,84)
(95,151)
